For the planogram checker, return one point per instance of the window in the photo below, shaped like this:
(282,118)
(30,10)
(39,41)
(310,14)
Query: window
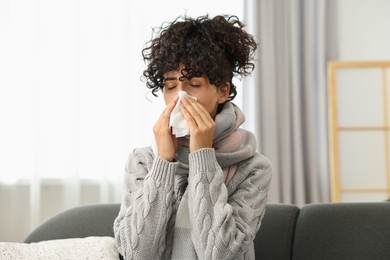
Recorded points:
(71,100)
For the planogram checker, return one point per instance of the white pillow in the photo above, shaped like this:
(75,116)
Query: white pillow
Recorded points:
(72,248)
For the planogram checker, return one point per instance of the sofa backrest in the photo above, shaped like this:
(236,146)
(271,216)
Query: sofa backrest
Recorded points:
(318,231)
(273,241)
(343,231)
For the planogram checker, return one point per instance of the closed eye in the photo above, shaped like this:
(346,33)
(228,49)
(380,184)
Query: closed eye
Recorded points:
(170,87)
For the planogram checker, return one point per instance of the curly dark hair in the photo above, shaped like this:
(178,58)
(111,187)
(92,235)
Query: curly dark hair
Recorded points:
(217,47)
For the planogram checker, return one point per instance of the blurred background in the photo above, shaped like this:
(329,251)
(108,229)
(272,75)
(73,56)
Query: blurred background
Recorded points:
(73,106)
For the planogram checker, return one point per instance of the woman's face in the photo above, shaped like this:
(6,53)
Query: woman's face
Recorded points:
(207,94)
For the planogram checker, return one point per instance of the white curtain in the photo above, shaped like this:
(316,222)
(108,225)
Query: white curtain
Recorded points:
(287,98)
(72,106)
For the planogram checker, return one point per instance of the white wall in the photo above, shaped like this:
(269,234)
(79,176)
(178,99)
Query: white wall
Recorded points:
(363,29)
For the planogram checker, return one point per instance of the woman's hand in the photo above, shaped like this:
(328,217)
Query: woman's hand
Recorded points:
(201,124)
(166,142)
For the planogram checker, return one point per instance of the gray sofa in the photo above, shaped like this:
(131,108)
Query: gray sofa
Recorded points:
(315,231)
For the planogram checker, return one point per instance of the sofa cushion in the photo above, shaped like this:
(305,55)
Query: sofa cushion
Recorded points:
(72,248)
(274,239)
(343,231)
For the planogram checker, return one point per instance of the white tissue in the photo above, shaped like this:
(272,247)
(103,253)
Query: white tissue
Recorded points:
(177,121)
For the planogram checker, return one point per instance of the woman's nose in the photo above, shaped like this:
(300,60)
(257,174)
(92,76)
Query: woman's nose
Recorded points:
(181,86)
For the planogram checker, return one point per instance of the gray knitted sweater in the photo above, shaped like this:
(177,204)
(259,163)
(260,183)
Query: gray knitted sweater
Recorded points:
(207,205)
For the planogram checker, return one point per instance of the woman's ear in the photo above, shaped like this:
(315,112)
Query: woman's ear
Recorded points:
(224,93)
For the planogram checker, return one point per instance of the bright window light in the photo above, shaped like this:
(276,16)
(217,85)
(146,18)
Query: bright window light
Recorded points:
(72,104)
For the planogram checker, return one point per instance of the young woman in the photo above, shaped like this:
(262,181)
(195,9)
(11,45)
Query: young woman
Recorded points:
(203,195)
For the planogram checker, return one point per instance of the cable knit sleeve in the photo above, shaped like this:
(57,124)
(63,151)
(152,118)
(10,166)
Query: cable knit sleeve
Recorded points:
(140,227)
(224,226)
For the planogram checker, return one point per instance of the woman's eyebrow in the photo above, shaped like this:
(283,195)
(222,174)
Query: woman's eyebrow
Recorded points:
(170,78)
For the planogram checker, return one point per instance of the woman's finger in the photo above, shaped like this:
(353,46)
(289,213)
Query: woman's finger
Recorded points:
(169,108)
(197,111)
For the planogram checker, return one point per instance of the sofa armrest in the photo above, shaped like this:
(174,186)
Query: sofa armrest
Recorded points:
(78,222)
